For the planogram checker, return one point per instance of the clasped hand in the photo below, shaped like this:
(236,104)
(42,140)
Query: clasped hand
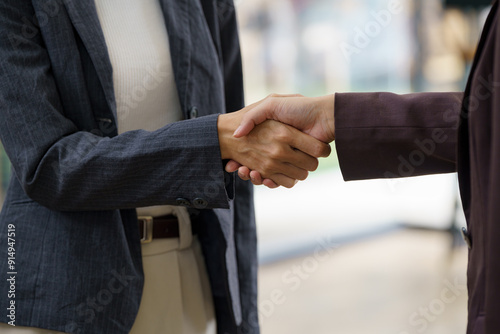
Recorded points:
(278,140)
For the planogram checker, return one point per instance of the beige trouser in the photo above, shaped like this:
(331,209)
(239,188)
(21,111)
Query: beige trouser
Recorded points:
(8,329)
(177,297)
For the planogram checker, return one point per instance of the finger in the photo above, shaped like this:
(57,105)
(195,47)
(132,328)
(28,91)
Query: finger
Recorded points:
(270,184)
(326,152)
(289,170)
(283,180)
(309,145)
(232,166)
(301,160)
(244,173)
(256,178)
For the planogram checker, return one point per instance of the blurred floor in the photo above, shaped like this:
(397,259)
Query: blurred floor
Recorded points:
(404,282)
(291,221)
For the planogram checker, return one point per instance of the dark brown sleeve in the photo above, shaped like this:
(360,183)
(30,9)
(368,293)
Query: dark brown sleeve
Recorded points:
(385,135)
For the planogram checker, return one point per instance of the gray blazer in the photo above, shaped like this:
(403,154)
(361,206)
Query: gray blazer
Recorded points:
(76,183)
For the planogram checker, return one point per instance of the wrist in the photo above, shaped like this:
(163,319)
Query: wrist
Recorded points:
(327,110)
(226,125)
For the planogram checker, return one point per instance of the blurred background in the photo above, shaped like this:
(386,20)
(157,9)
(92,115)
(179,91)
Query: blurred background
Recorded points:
(381,256)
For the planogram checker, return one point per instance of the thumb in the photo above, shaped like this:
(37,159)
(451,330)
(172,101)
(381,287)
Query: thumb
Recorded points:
(245,127)
(251,119)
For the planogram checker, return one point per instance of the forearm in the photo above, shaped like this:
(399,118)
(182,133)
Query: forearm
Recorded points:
(381,135)
(85,172)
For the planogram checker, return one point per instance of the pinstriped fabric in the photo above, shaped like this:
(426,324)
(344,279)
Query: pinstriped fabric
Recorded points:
(76,183)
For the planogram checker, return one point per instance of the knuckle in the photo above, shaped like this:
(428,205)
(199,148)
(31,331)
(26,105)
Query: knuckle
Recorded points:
(277,153)
(282,134)
(266,168)
(272,152)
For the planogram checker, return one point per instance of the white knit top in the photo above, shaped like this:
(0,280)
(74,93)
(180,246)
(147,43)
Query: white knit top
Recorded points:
(143,78)
(138,46)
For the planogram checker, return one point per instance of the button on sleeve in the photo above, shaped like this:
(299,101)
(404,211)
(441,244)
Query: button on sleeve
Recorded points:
(200,203)
(183,202)
(193,112)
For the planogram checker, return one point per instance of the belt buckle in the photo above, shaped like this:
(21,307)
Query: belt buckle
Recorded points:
(147,229)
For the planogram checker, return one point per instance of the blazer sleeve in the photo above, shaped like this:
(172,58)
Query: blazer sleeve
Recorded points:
(66,169)
(384,135)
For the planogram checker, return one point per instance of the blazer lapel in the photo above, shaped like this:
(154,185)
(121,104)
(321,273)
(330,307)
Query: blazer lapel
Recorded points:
(178,28)
(83,15)
(463,159)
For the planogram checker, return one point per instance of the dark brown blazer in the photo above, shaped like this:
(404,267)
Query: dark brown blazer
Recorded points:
(383,135)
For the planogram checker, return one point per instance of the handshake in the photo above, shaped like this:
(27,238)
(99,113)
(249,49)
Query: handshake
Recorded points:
(278,140)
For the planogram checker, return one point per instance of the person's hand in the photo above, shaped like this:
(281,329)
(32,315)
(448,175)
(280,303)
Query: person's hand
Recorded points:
(314,116)
(278,152)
